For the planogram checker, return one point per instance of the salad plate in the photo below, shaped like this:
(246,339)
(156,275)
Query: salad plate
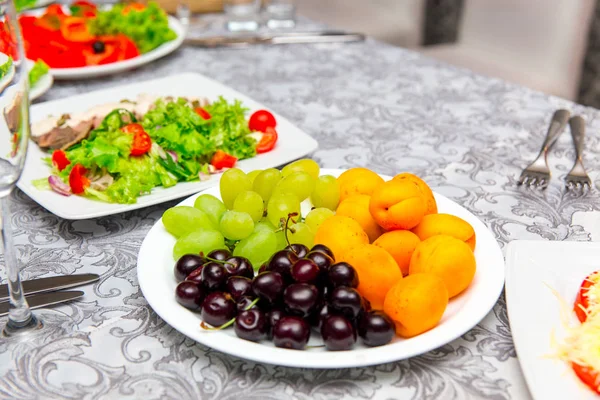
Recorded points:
(542,281)
(292,144)
(155,275)
(41,87)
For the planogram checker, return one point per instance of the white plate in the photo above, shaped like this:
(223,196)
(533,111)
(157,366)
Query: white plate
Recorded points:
(120,66)
(155,275)
(533,268)
(41,86)
(292,144)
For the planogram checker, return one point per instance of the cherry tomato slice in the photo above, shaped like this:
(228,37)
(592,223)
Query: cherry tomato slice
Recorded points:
(60,160)
(202,113)
(582,301)
(141,140)
(77,179)
(588,376)
(222,160)
(261,120)
(267,142)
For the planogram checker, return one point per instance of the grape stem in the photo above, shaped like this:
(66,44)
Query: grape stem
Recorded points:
(288,228)
(227,324)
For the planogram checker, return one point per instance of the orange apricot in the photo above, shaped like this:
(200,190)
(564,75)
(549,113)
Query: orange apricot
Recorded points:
(357,208)
(358,181)
(340,234)
(416,303)
(447,257)
(397,204)
(423,187)
(446,224)
(377,272)
(401,245)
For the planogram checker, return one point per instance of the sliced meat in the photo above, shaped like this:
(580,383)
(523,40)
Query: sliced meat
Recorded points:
(11,113)
(63,137)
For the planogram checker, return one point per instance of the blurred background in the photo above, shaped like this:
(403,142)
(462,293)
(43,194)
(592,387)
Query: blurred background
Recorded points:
(548,45)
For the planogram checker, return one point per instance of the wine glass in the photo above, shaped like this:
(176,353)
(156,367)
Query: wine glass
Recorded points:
(14,137)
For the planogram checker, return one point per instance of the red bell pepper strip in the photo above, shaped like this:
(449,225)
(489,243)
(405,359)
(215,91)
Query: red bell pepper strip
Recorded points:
(202,113)
(222,160)
(267,142)
(60,160)
(75,29)
(77,179)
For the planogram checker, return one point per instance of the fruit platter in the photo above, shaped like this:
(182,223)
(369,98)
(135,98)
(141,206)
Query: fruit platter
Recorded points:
(309,267)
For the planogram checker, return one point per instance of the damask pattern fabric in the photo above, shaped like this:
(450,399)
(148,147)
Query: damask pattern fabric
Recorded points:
(367,104)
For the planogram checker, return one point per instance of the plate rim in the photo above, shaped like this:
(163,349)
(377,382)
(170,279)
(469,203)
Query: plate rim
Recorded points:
(484,307)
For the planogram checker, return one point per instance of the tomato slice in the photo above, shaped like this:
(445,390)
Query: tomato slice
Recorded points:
(582,301)
(588,375)
(222,160)
(202,113)
(77,179)
(261,120)
(267,142)
(75,29)
(133,7)
(60,160)
(141,140)
(109,55)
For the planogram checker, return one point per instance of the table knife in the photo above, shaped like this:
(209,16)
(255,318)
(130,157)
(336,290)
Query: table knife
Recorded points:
(44,300)
(51,284)
(276,38)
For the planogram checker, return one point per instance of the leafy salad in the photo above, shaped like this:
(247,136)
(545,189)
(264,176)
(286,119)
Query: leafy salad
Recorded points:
(37,72)
(175,140)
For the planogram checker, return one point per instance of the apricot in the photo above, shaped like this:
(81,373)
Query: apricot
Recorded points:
(423,187)
(446,224)
(401,245)
(340,234)
(397,204)
(447,257)
(377,272)
(416,303)
(358,181)
(357,208)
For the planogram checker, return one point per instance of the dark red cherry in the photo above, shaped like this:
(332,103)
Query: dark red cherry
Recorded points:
(214,276)
(268,286)
(300,299)
(195,275)
(251,325)
(376,328)
(272,317)
(218,308)
(346,301)
(338,333)
(323,249)
(322,260)
(220,255)
(244,303)
(263,268)
(305,271)
(186,264)
(291,333)
(239,266)
(299,250)
(189,294)
(282,262)
(342,274)
(238,286)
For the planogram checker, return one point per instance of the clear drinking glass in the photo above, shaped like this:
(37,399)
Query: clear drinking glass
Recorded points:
(14,137)
(281,14)
(242,15)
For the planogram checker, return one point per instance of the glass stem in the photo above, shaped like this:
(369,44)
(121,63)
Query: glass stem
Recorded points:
(19,313)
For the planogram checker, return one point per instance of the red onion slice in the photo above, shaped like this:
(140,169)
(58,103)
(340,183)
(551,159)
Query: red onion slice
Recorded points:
(173,155)
(59,186)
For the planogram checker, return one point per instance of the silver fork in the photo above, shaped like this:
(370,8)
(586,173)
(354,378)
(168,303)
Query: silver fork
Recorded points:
(578,178)
(537,173)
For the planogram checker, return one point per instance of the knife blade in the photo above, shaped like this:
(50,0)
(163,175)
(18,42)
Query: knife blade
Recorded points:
(239,41)
(44,300)
(51,284)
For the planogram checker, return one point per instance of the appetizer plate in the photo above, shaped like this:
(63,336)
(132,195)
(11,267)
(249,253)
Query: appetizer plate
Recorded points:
(292,144)
(120,66)
(542,280)
(155,275)
(41,86)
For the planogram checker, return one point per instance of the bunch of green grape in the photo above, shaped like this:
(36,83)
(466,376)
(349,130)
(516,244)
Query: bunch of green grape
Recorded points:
(253,211)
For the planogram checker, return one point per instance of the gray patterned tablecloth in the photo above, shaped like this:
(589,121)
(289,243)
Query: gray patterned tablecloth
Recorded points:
(367,104)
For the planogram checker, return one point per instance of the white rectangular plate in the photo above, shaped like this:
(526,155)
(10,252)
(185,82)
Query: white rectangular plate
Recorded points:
(292,144)
(534,311)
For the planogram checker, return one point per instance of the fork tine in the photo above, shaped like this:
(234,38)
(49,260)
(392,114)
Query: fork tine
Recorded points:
(533,181)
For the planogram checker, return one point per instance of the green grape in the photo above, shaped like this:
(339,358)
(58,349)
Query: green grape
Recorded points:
(211,206)
(302,234)
(257,248)
(233,182)
(281,241)
(250,202)
(304,165)
(264,225)
(326,193)
(315,218)
(181,220)
(280,206)
(265,182)
(253,174)
(203,241)
(236,225)
(300,184)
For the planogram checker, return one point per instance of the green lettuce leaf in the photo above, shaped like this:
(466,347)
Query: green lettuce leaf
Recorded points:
(39,69)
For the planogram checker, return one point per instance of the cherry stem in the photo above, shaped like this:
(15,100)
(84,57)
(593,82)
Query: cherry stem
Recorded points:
(227,324)
(218,261)
(287,228)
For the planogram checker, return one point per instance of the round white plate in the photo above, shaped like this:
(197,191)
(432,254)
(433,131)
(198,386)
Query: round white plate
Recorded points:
(41,86)
(155,275)
(120,66)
